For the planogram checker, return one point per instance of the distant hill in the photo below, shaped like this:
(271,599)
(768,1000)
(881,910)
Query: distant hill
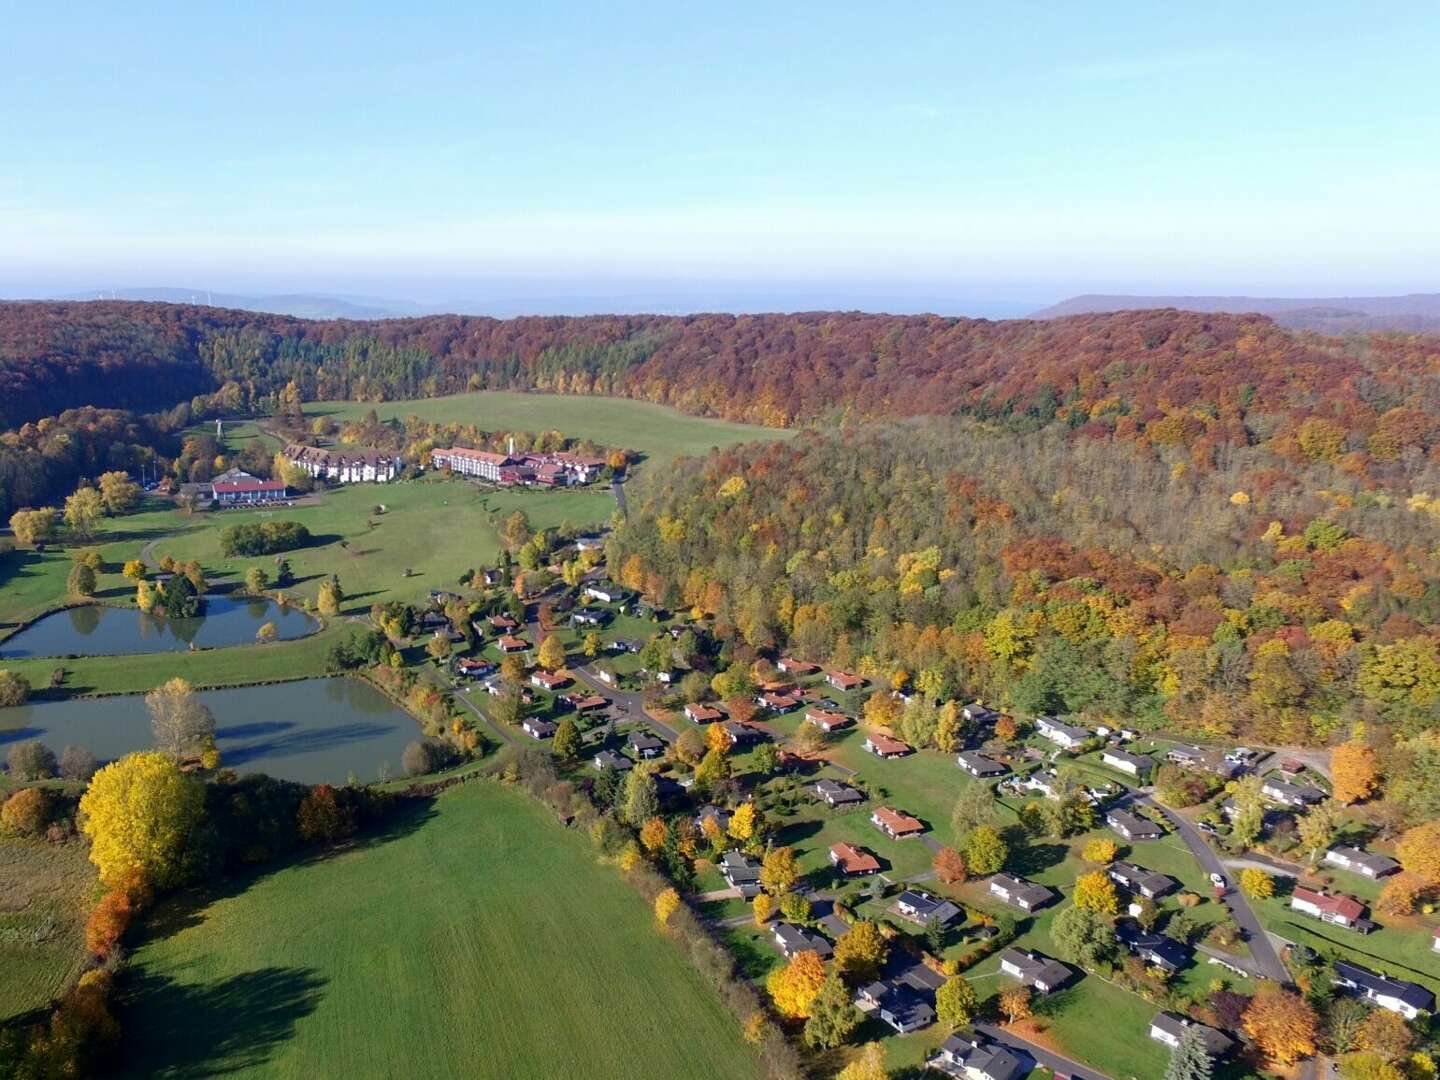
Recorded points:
(1417,312)
(300,305)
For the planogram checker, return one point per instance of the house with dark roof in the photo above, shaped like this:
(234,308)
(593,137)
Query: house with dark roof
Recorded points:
(921,907)
(1136,765)
(1334,908)
(1020,893)
(1170,1028)
(1034,969)
(1136,879)
(778,701)
(899,1006)
(720,815)
(977,1059)
(1062,734)
(539,729)
(1292,795)
(1358,861)
(607,592)
(645,745)
(609,759)
(1406,998)
(834,793)
(853,860)
(742,734)
(791,939)
(979,715)
(741,872)
(977,764)
(1133,827)
(1157,950)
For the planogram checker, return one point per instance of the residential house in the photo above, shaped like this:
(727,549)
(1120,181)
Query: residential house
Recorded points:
(1066,736)
(474,668)
(791,939)
(588,616)
(697,713)
(1358,861)
(1189,757)
(1170,1028)
(1406,998)
(1020,893)
(741,872)
(645,745)
(1042,782)
(540,729)
(742,734)
(607,676)
(853,861)
(977,1059)
(1292,795)
(583,703)
(922,908)
(1034,969)
(899,1006)
(977,764)
(1133,827)
(509,643)
(896,824)
(835,793)
(609,759)
(467,462)
(844,681)
(503,623)
(884,746)
(1335,908)
(549,680)
(778,702)
(1157,950)
(719,814)
(978,715)
(791,666)
(607,592)
(1136,765)
(826,720)
(1136,879)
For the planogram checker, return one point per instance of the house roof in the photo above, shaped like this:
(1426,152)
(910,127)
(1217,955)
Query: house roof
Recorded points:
(798,667)
(909,1009)
(240,487)
(1167,951)
(1411,994)
(1124,821)
(642,741)
(536,726)
(826,717)
(886,744)
(1017,888)
(702,713)
(844,678)
(1035,966)
(510,641)
(1307,792)
(981,764)
(927,907)
(796,939)
(609,759)
(1140,761)
(1050,723)
(853,859)
(1137,877)
(1352,856)
(989,1061)
(835,791)
(1337,904)
(741,731)
(897,820)
(1216,1043)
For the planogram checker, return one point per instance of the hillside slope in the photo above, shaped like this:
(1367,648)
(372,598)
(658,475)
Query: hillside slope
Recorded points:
(1415,313)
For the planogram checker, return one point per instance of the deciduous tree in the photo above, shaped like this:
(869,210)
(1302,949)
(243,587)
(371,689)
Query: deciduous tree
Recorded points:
(794,987)
(1282,1024)
(1256,883)
(551,654)
(833,1015)
(83,511)
(1419,852)
(985,851)
(779,871)
(956,1002)
(869,1064)
(860,951)
(949,866)
(139,813)
(665,906)
(179,720)
(1097,892)
(1356,772)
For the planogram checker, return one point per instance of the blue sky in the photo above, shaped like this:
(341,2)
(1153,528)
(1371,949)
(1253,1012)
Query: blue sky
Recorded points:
(1017,150)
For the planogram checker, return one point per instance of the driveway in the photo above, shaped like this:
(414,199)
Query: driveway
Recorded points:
(1056,1063)
(1267,960)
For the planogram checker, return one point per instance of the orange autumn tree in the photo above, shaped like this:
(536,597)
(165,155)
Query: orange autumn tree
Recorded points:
(1282,1024)
(1419,852)
(795,986)
(1356,772)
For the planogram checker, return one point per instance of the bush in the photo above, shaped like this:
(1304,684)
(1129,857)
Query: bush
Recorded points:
(426,756)
(14,689)
(25,812)
(31,761)
(263,538)
(77,763)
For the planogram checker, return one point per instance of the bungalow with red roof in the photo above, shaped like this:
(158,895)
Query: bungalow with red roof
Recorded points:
(550,680)
(826,720)
(509,643)
(697,713)
(852,860)
(503,622)
(790,666)
(585,702)
(885,746)
(843,680)
(896,824)
(779,702)
(1336,908)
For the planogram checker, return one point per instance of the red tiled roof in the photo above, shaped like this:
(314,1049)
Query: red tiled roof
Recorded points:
(844,678)
(702,713)
(510,641)
(854,860)
(1347,907)
(897,821)
(888,745)
(238,486)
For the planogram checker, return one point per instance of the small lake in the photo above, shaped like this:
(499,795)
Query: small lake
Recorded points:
(96,630)
(314,731)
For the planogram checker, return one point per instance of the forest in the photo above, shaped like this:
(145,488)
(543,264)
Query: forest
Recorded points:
(1258,599)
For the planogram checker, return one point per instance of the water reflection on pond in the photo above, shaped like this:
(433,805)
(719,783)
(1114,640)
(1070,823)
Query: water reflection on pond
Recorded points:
(95,630)
(313,731)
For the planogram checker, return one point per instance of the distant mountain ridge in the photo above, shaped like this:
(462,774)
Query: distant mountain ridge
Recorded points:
(1415,312)
(300,305)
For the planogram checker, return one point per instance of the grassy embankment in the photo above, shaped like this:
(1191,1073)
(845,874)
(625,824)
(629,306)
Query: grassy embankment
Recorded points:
(492,944)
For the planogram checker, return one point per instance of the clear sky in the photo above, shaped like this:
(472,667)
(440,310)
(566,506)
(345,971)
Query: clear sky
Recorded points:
(1014,150)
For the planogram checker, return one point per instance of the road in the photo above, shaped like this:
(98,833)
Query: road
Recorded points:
(617,488)
(1048,1058)
(1267,960)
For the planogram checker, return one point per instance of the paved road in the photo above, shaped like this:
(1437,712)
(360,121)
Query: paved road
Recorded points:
(1048,1058)
(1267,960)
(617,488)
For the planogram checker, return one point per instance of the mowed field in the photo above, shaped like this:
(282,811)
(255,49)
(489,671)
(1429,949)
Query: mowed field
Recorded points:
(46,891)
(482,940)
(654,430)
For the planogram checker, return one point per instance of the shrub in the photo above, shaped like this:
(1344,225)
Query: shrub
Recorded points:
(14,689)
(25,812)
(426,756)
(78,764)
(249,539)
(31,761)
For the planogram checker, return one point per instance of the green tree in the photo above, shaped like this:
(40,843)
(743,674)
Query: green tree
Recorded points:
(956,1002)
(833,1015)
(985,851)
(973,808)
(83,511)
(33,527)
(567,740)
(255,580)
(118,492)
(1190,1060)
(14,689)
(81,581)
(1083,937)
(640,802)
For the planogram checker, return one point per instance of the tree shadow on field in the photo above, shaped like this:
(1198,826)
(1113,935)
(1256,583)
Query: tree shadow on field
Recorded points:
(176,1029)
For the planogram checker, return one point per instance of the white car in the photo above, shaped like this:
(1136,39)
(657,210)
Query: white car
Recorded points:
(1218,880)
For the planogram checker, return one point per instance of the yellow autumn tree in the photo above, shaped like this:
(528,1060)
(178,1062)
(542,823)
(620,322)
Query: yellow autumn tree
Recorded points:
(665,905)
(763,907)
(139,813)
(1096,892)
(1100,851)
(1419,852)
(551,654)
(794,987)
(868,1065)
(1282,1024)
(1356,771)
(654,833)
(744,823)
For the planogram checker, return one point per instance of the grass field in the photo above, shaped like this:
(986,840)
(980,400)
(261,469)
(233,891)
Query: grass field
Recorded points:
(653,430)
(46,891)
(480,940)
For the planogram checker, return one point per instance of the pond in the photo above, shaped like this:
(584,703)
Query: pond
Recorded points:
(313,731)
(95,630)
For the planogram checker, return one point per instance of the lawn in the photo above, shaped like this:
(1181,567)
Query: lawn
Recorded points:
(653,430)
(479,940)
(46,891)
